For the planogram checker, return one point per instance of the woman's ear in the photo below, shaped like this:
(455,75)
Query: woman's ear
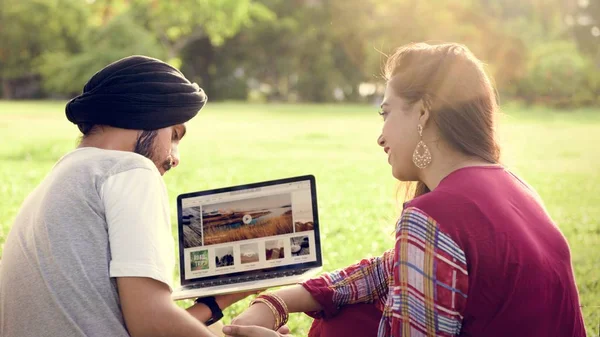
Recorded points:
(424,112)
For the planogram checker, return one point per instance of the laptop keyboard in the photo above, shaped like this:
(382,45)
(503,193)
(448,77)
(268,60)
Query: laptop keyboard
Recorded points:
(249,278)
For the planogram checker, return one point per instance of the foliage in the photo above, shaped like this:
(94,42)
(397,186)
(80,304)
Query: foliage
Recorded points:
(177,23)
(289,58)
(29,29)
(300,50)
(66,74)
(65,41)
(559,76)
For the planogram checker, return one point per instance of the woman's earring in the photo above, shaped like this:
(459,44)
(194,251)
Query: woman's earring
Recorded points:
(421,156)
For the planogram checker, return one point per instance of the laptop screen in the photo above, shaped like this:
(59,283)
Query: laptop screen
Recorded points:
(251,228)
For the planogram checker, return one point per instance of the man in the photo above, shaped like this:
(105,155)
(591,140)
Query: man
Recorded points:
(91,251)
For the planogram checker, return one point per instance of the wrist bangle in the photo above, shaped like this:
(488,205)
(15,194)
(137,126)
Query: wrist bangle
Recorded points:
(277,307)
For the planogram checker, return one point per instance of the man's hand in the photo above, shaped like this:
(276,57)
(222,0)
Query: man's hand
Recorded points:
(254,331)
(202,313)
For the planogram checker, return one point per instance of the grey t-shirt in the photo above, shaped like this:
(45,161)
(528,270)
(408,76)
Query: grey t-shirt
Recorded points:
(99,214)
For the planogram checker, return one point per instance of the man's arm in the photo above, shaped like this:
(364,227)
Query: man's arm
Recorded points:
(202,312)
(149,310)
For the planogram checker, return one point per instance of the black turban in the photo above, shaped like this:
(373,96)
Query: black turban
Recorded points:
(137,92)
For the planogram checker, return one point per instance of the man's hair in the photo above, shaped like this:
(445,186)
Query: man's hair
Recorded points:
(145,143)
(87,129)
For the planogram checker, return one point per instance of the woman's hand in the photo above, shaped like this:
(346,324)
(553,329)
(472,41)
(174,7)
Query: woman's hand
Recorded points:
(254,331)
(257,314)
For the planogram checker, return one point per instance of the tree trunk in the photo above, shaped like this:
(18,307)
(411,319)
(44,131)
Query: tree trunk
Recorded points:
(6,89)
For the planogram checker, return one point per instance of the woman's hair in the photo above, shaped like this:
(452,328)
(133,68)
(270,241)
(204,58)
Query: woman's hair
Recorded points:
(460,97)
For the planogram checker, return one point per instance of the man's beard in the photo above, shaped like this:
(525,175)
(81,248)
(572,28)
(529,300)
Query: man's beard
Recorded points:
(145,147)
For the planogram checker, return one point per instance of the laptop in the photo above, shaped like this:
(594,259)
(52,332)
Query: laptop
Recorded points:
(248,237)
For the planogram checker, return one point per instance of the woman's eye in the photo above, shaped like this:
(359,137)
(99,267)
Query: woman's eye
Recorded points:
(175,135)
(382,113)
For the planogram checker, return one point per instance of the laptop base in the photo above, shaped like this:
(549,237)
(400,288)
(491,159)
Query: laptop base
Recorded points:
(191,291)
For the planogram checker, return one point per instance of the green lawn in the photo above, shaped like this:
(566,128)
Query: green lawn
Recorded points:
(228,143)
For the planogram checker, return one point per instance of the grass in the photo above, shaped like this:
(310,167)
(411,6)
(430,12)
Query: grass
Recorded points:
(229,144)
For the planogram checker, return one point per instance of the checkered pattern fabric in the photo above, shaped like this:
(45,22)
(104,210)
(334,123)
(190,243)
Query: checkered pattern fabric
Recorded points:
(430,282)
(420,286)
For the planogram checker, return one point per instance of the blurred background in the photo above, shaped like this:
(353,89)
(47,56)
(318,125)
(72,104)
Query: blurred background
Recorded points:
(293,86)
(538,51)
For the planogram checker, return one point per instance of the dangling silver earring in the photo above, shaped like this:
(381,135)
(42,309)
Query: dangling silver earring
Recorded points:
(421,156)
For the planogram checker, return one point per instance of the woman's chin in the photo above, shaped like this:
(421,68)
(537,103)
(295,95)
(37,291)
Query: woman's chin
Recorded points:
(398,175)
(403,175)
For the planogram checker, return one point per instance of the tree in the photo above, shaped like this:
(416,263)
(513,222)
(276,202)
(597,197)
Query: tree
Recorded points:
(66,73)
(583,17)
(176,23)
(274,58)
(29,29)
(64,41)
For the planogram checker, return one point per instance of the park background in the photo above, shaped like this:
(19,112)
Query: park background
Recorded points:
(293,89)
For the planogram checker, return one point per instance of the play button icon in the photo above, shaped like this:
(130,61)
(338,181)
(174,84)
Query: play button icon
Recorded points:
(247,219)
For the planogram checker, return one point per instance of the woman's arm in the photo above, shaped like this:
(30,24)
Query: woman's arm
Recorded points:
(428,294)
(363,282)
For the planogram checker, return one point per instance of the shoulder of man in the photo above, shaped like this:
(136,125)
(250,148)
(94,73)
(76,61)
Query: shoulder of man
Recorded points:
(101,164)
(123,161)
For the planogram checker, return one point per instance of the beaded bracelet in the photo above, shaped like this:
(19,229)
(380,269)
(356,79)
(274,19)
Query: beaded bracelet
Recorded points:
(277,306)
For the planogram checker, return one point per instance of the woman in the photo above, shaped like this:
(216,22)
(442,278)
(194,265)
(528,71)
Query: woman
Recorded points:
(476,253)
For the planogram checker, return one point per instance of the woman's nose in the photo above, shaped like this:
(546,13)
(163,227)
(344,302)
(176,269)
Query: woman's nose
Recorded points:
(380,141)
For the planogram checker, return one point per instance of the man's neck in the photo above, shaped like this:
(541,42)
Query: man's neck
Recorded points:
(111,139)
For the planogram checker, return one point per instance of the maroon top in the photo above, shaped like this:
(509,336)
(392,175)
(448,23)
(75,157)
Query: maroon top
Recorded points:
(478,256)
